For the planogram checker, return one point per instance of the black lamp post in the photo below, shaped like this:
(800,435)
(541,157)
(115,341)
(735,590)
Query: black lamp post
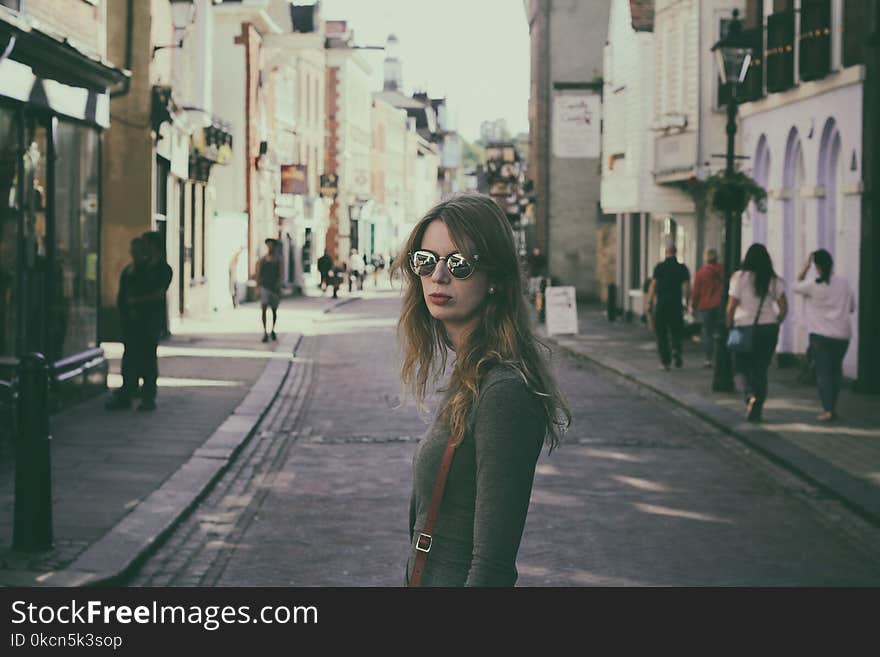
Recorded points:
(733,54)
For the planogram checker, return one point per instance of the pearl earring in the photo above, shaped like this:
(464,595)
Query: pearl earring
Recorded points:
(491,289)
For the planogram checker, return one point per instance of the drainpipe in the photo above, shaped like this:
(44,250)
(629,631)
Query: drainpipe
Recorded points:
(129,30)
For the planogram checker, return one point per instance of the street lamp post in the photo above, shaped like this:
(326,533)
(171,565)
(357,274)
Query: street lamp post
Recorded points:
(733,54)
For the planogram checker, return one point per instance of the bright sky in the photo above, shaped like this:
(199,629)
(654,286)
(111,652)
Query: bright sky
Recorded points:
(473,52)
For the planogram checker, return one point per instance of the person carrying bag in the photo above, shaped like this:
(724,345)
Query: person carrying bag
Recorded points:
(741,339)
(754,324)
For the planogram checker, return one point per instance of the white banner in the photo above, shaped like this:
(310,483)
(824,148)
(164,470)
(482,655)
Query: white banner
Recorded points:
(576,117)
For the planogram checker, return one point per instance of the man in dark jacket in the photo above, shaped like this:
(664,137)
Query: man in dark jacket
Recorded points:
(325,264)
(128,319)
(671,282)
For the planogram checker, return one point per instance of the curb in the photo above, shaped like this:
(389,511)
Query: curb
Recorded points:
(857,495)
(113,557)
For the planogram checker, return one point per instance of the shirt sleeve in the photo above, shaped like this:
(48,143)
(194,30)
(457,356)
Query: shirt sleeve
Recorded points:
(804,287)
(508,434)
(733,291)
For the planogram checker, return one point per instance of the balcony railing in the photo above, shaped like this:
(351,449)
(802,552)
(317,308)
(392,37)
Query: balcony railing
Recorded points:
(814,59)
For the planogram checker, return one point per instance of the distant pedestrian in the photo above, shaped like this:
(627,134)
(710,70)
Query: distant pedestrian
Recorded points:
(378,267)
(356,270)
(706,301)
(829,301)
(500,404)
(269,282)
(756,298)
(669,285)
(233,275)
(128,321)
(325,264)
(537,263)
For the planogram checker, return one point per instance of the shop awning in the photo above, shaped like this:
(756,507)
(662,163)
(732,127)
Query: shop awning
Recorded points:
(49,70)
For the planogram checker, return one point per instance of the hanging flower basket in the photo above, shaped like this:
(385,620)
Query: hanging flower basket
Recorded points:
(729,192)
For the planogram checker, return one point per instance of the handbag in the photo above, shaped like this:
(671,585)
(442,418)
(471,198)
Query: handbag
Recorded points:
(741,339)
(426,540)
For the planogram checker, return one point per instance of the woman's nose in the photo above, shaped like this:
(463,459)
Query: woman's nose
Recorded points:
(440,273)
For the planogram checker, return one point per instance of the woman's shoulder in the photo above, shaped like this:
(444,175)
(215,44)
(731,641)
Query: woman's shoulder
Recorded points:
(503,384)
(504,374)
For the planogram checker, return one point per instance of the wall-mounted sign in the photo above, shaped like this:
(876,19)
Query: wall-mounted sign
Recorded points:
(561,309)
(576,118)
(294,179)
(329,185)
(675,154)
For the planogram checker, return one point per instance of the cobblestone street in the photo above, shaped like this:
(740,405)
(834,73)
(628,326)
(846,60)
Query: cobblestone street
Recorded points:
(643,493)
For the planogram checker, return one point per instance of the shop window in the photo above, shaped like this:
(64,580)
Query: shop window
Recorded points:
(9,210)
(33,305)
(73,312)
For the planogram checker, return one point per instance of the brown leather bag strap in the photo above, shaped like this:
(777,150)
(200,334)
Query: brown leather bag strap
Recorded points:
(423,545)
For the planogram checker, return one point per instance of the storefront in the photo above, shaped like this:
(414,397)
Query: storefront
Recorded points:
(53,108)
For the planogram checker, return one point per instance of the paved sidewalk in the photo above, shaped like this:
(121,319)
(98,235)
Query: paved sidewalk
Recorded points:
(842,457)
(121,480)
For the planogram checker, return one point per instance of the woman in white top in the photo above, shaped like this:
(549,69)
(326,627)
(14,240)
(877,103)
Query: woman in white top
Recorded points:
(829,303)
(756,297)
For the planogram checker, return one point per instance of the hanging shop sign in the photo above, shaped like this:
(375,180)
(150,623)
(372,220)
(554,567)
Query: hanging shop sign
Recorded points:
(294,179)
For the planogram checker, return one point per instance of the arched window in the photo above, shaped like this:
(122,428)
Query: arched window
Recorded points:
(762,176)
(830,172)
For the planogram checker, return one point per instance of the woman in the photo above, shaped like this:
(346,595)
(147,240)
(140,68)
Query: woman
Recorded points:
(756,297)
(500,402)
(828,304)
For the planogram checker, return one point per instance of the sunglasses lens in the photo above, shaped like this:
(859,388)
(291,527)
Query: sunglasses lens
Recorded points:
(459,267)
(423,263)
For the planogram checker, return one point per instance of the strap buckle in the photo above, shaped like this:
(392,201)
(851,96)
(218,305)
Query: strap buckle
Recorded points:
(424,543)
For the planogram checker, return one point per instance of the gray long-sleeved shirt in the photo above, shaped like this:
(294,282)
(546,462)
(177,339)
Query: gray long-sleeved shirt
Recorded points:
(484,506)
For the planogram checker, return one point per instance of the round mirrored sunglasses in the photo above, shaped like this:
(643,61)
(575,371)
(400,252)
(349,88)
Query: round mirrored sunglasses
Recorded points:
(423,262)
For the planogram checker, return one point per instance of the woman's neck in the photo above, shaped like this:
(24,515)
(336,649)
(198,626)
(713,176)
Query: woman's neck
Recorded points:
(458,333)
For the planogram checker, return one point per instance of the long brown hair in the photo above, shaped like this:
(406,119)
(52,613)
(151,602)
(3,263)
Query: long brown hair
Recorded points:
(502,335)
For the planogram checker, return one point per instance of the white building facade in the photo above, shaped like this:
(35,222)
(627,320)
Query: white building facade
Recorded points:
(689,122)
(804,138)
(642,207)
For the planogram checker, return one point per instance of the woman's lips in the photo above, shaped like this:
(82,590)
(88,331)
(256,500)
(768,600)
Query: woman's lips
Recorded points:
(439,299)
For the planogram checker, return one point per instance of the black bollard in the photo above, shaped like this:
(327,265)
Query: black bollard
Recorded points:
(33,472)
(612,302)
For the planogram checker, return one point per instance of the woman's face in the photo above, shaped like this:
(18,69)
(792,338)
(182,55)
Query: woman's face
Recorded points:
(454,302)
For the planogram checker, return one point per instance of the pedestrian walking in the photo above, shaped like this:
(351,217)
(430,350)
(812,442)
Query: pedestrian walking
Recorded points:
(500,403)
(378,266)
(355,270)
(128,321)
(325,264)
(829,301)
(269,282)
(706,301)
(669,284)
(756,298)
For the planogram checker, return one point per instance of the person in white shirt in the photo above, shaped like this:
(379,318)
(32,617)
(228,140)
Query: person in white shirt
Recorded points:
(829,301)
(756,298)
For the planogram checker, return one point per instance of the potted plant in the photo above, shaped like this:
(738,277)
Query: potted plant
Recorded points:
(729,192)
